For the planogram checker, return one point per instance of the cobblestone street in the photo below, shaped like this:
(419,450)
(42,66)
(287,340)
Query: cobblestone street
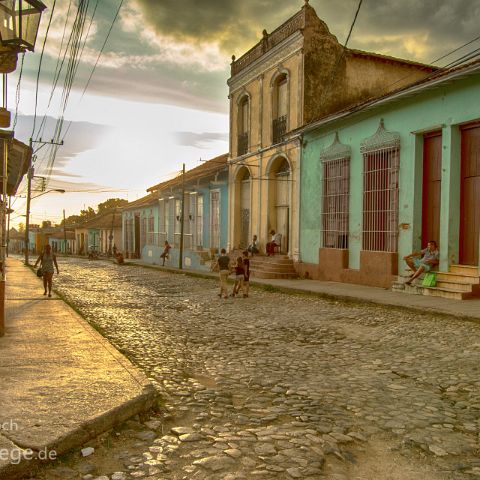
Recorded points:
(284,386)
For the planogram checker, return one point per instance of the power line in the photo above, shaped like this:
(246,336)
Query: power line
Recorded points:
(17,93)
(40,65)
(103,46)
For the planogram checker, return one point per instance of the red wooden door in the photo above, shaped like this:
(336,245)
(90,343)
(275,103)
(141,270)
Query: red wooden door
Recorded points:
(432,181)
(470,195)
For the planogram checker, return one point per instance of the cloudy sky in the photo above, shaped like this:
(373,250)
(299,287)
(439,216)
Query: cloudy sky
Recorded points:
(158,95)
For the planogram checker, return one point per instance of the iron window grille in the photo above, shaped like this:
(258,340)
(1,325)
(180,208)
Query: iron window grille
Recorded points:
(335,195)
(381,163)
(279,128)
(242,143)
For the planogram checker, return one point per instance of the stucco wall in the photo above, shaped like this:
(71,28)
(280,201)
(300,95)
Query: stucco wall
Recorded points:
(443,108)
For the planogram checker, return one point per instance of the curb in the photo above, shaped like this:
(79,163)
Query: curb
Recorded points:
(79,436)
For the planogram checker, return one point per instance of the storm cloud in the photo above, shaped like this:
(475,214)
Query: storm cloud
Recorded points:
(419,30)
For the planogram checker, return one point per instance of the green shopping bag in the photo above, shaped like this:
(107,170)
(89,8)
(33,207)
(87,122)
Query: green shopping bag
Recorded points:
(430,279)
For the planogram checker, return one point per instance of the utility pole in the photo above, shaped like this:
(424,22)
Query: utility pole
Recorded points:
(182,216)
(29,191)
(3,249)
(110,237)
(64,233)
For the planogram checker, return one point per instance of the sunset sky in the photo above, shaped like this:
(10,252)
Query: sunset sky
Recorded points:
(158,96)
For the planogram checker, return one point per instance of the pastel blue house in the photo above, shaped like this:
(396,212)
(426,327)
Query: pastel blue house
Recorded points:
(156,218)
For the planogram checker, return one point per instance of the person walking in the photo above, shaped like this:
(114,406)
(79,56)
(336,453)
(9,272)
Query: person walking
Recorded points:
(166,251)
(223,263)
(239,276)
(47,261)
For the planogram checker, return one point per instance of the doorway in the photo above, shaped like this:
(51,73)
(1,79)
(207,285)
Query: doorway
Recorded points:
(431,191)
(470,195)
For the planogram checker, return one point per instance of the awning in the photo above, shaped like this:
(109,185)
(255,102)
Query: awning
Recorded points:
(19,160)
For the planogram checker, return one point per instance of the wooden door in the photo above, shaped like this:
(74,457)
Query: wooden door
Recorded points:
(470,195)
(431,192)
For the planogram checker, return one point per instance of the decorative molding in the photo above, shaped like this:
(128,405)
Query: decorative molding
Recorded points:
(280,53)
(381,140)
(336,151)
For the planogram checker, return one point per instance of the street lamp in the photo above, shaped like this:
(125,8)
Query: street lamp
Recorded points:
(27,216)
(59,190)
(19,22)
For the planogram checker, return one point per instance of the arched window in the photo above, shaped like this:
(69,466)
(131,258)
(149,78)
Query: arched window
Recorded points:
(243,115)
(280,107)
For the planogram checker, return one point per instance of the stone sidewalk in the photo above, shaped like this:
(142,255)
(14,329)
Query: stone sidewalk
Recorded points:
(61,382)
(466,309)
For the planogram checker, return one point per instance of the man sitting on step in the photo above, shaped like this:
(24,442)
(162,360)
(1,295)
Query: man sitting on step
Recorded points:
(423,261)
(275,242)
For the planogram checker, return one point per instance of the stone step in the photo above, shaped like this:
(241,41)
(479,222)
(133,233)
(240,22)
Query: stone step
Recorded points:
(459,286)
(445,293)
(273,267)
(467,270)
(455,277)
(269,274)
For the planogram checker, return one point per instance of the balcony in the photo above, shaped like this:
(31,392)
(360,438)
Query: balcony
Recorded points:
(242,144)
(279,128)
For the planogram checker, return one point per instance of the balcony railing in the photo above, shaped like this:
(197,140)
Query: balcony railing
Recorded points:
(242,145)
(279,128)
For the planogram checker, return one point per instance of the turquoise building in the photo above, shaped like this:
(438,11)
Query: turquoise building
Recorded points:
(157,217)
(380,179)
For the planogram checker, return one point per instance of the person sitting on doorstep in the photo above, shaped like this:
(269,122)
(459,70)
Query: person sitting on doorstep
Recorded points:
(423,261)
(253,247)
(274,242)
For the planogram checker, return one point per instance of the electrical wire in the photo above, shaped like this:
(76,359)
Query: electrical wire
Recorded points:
(40,65)
(103,46)
(17,93)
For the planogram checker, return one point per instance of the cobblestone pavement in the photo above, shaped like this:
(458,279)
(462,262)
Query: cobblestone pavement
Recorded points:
(283,386)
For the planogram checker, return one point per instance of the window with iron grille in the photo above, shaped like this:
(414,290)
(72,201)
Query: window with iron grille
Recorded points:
(143,232)
(151,230)
(280,108)
(162,222)
(381,161)
(215,219)
(243,114)
(335,195)
(199,221)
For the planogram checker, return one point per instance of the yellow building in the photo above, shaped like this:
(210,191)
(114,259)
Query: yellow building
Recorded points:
(292,76)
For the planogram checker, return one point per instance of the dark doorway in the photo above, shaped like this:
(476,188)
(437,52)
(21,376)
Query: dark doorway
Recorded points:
(431,191)
(137,236)
(470,195)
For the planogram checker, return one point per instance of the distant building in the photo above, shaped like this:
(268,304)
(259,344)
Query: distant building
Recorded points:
(156,218)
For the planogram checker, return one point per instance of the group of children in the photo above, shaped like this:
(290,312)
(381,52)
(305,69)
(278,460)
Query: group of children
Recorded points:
(242,274)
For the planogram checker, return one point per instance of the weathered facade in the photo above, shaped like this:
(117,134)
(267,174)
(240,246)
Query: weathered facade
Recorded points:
(294,75)
(383,178)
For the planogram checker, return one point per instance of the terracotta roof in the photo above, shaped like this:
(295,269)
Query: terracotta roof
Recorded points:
(389,59)
(104,220)
(208,168)
(141,202)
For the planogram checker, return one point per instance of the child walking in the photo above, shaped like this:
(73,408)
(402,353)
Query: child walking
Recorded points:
(239,276)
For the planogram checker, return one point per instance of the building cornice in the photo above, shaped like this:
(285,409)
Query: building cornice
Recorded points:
(273,57)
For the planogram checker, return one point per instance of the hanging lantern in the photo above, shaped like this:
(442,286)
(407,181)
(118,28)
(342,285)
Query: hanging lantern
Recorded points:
(19,22)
